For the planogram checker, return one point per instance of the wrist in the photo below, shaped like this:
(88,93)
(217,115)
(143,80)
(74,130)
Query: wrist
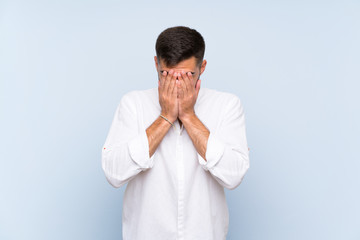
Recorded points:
(170,118)
(187,117)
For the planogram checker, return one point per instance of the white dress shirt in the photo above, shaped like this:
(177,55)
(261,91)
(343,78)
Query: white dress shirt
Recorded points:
(175,193)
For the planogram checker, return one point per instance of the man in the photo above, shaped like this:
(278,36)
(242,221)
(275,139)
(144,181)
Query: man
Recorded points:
(177,147)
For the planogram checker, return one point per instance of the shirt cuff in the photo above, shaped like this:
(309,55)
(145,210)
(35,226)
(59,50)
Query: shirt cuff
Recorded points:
(214,151)
(139,151)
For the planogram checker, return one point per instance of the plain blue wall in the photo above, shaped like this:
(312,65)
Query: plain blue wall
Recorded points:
(64,66)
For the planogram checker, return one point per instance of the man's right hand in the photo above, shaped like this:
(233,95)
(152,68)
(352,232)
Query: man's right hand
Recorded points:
(168,95)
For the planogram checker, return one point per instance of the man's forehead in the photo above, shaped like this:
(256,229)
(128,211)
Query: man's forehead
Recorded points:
(177,69)
(188,65)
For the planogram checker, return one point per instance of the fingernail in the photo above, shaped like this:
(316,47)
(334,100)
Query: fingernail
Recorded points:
(171,71)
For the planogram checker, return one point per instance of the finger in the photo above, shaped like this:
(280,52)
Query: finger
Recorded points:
(180,89)
(176,89)
(167,81)
(162,78)
(172,84)
(183,85)
(190,81)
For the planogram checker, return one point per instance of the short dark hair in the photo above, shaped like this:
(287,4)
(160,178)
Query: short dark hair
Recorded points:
(179,43)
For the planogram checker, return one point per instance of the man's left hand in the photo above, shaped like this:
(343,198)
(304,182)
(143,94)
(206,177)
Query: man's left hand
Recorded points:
(187,94)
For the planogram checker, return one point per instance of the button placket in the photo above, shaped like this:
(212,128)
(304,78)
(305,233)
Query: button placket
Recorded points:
(180,174)
(177,129)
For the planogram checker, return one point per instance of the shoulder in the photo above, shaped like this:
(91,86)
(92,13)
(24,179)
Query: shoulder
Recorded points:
(135,96)
(221,97)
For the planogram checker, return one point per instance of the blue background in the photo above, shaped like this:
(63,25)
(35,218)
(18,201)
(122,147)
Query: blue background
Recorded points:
(64,66)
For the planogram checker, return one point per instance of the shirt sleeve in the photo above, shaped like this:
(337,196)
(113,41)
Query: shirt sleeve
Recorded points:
(227,152)
(126,149)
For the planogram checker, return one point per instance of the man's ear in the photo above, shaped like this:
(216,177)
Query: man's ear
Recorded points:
(203,66)
(156,62)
